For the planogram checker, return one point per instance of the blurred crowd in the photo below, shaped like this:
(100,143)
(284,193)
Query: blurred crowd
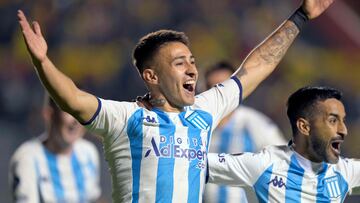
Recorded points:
(92,41)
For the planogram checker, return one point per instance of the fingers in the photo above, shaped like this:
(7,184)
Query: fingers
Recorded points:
(23,21)
(37,29)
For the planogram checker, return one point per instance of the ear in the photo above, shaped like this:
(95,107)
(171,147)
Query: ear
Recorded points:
(150,76)
(303,126)
(47,113)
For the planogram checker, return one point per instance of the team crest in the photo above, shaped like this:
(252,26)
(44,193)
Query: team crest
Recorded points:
(196,120)
(332,187)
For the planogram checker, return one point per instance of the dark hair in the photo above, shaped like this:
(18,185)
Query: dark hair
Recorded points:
(147,46)
(303,102)
(48,101)
(219,66)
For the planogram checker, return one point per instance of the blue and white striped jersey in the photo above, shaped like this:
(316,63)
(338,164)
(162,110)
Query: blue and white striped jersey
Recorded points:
(37,175)
(157,156)
(279,174)
(246,130)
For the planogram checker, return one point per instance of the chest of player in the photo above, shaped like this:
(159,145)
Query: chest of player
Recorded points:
(172,135)
(290,183)
(63,178)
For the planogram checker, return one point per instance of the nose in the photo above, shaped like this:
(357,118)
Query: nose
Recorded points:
(342,129)
(192,70)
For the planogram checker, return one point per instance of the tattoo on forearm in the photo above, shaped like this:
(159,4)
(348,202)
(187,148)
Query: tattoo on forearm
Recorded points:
(273,50)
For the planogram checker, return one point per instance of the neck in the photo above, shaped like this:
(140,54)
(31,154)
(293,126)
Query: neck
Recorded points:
(153,101)
(56,146)
(302,147)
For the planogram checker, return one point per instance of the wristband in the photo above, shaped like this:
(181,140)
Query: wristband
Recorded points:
(299,18)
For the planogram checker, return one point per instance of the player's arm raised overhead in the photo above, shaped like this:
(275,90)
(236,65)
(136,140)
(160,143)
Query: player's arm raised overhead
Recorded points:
(266,56)
(62,89)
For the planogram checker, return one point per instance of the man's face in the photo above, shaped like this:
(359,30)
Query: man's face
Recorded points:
(327,131)
(217,77)
(177,74)
(67,129)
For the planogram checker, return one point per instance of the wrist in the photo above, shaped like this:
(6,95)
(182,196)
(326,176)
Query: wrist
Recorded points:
(299,18)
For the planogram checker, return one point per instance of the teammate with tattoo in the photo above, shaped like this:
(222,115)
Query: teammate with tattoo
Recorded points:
(157,146)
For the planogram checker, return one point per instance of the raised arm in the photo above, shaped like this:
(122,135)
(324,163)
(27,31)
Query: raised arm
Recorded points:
(62,89)
(266,56)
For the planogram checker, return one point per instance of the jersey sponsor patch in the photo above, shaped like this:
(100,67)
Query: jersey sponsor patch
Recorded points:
(174,149)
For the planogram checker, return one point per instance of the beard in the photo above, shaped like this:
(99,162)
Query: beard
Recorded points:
(319,150)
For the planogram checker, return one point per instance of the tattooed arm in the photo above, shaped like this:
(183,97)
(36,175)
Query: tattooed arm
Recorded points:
(266,56)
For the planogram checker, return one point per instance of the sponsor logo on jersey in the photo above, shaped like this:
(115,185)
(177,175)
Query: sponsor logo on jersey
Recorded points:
(332,187)
(174,149)
(277,182)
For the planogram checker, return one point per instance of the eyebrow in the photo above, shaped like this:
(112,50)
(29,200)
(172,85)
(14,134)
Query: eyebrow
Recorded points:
(336,115)
(183,57)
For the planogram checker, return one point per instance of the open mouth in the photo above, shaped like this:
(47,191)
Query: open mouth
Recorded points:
(336,146)
(189,86)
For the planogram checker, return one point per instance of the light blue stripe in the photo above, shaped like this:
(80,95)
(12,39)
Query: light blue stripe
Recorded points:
(321,186)
(344,187)
(194,172)
(249,145)
(226,135)
(202,121)
(225,140)
(323,194)
(135,134)
(294,181)
(55,176)
(165,173)
(79,177)
(261,186)
(222,197)
(91,166)
(197,120)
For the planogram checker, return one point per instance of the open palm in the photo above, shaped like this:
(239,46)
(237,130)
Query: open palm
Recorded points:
(313,8)
(34,40)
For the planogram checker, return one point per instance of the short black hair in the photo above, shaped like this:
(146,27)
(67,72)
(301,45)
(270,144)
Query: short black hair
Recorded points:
(302,102)
(149,44)
(49,102)
(219,66)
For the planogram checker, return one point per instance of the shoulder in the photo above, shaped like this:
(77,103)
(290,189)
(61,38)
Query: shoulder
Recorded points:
(345,164)
(117,104)
(29,147)
(277,152)
(26,151)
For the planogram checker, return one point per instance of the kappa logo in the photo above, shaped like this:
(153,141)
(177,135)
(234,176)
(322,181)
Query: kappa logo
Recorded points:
(277,182)
(149,120)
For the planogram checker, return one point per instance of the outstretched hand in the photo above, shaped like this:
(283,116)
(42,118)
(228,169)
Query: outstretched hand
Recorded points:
(34,40)
(314,8)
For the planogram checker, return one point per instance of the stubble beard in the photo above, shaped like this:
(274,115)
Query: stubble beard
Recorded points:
(320,150)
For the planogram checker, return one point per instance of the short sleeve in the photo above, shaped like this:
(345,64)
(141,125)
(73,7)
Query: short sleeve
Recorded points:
(221,99)
(237,169)
(353,172)
(111,117)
